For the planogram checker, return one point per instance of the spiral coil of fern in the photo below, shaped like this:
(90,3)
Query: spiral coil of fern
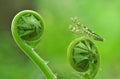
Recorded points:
(27,28)
(82,53)
(83,57)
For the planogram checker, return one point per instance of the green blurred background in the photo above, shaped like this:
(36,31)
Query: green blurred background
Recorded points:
(102,16)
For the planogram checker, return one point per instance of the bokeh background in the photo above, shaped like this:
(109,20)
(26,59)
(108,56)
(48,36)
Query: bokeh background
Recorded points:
(102,16)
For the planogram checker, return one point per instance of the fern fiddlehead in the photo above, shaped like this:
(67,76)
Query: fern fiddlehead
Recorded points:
(82,53)
(27,28)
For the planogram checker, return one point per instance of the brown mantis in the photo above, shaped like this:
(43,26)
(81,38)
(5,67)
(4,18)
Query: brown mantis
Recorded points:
(82,29)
